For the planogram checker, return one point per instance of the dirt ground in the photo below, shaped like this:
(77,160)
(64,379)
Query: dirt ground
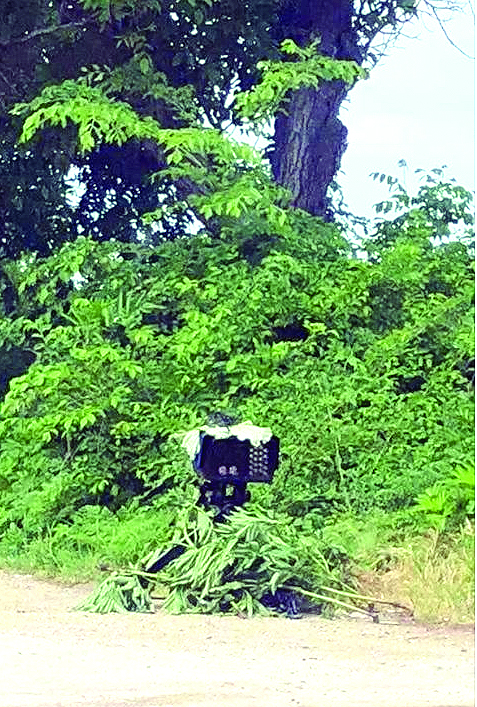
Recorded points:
(52,657)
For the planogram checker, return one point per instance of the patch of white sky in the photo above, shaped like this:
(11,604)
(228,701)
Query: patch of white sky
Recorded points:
(416,106)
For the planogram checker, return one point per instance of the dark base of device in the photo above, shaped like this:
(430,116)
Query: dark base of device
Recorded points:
(284,600)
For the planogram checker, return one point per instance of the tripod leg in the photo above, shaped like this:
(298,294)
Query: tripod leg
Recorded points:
(169,556)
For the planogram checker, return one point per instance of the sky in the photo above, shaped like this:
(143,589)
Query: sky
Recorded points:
(417,106)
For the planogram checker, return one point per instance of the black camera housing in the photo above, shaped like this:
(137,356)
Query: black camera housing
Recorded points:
(232,460)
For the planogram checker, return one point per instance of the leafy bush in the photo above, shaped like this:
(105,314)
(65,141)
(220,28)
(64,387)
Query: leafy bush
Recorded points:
(449,502)
(362,368)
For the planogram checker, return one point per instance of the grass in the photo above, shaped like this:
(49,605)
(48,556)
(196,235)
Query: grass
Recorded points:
(65,565)
(436,577)
(432,574)
(76,552)
(429,572)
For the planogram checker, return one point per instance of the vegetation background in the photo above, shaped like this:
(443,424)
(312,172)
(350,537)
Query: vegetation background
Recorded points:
(196,274)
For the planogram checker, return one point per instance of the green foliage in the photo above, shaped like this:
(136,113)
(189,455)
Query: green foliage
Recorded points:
(230,567)
(450,501)
(109,351)
(444,207)
(308,69)
(96,537)
(237,185)
(397,556)
(358,366)
(118,593)
(362,368)
(137,78)
(105,77)
(98,117)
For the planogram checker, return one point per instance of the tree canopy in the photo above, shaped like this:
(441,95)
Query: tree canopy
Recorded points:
(182,64)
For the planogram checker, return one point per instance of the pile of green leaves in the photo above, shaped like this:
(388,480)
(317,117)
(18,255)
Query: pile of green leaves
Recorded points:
(118,593)
(230,567)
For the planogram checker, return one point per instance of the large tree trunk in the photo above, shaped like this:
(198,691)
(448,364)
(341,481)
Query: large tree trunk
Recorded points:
(309,144)
(310,139)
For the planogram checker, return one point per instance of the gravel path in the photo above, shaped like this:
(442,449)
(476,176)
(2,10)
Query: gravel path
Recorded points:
(52,657)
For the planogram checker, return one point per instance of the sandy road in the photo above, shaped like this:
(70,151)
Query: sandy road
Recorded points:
(52,657)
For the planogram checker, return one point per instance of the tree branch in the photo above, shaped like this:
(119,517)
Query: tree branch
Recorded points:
(446,34)
(45,31)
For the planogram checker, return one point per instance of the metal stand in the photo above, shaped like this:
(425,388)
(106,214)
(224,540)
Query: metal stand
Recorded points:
(223,496)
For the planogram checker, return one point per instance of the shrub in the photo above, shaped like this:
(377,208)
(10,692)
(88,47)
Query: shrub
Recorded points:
(361,367)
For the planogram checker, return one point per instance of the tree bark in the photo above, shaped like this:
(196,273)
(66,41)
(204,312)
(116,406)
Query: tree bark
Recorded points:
(309,144)
(310,139)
